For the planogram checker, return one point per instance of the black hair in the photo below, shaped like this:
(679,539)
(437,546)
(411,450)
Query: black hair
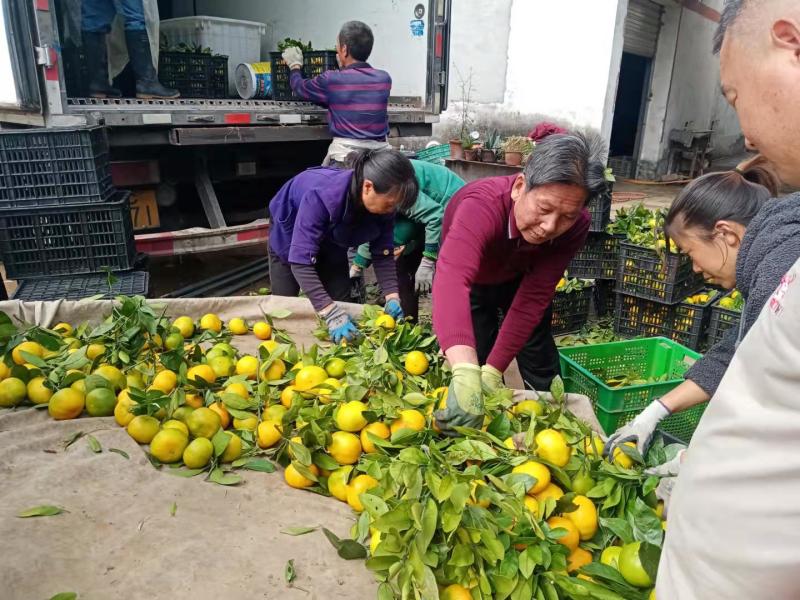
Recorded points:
(725,196)
(570,158)
(388,170)
(730,12)
(358,38)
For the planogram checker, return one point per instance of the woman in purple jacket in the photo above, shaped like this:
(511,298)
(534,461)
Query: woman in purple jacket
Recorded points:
(320,213)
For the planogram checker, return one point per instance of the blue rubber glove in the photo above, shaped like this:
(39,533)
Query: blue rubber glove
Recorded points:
(393,309)
(340,325)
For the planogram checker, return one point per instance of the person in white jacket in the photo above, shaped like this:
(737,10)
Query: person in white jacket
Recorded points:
(734,519)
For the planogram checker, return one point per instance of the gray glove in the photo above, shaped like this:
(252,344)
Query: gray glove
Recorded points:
(356,271)
(293,57)
(669,474)
(640,430)
(423,280)
(464,400)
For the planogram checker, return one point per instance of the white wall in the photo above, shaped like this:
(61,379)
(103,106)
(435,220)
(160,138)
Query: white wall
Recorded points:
(559,57)
(685,89)
(396,49)
(532,60)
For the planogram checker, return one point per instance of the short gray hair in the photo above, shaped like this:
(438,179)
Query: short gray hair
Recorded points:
(570,158)
(730,12)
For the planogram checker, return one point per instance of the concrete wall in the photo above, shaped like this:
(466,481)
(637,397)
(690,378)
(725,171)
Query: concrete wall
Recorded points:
(558,56)
(404,55)
(685,89)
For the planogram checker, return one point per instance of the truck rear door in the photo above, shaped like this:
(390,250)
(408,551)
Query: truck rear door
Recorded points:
(19,83)
(439,55)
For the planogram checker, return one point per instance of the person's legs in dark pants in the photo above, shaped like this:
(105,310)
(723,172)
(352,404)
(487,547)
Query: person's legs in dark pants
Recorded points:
(407,265)
(333,270)
(538,360)
(96,18)
(281,279)
(485,308)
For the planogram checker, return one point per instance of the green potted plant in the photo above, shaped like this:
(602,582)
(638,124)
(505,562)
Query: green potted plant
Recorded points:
(515,148)
(491,147)
(471,148)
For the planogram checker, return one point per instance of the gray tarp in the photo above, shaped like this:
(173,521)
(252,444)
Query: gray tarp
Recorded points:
(119,539)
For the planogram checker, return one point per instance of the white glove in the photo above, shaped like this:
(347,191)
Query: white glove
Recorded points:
(423,280)
(355,271)
(669,475)
(640,430)
(293,57)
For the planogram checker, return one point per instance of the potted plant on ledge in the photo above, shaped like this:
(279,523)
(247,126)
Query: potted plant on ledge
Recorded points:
(491,147)
(515,148)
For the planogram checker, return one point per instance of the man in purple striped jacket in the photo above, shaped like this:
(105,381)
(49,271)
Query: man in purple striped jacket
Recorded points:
(357,96)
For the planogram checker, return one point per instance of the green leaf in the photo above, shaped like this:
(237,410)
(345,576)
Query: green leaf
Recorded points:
(65,596)
(557,388)
(220,442)
(185,472)
(220,477)
(301,454)
(94,444)
(325,461)
(352,550)
(259,464)
(650,484)
(375,506)
(354,392)
(619,527)
(97,381)
(414,456)
(294,531)
(462,556)
(385,592)
(235,401)
(173,509)
(381,356)
(33,359)
(45,510)
(280,313)
(289,572)
(122,453)
(523,591)
(72,439)
(500,427)
(527,562)
(429,520)
(602,489)
(649,555)
(304,471)
(645,523)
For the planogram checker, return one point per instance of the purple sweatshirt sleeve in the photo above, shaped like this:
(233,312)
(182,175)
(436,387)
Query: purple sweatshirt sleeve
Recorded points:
(314,90)
(308,280)
(386,273)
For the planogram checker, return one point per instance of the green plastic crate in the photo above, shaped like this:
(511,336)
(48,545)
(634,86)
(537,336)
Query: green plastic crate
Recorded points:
(586,368)
(434,154)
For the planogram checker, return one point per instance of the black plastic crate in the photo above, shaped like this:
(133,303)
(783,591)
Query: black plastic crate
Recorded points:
(684,323)
(600,208)
(666,278)
(597,259)
(570,310)
(314,63)
(64,287)
(56,240)
(604,297)
(53,167)
(722,319)
(194,75)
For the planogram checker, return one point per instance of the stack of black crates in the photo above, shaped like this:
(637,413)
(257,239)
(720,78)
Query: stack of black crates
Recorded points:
(597,260)
(315,62)
(63,225)
(652,287)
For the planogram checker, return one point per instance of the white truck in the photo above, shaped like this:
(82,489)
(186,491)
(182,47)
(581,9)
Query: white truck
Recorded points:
(226,156)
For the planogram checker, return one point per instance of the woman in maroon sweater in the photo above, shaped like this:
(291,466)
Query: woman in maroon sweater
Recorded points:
(506,242)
